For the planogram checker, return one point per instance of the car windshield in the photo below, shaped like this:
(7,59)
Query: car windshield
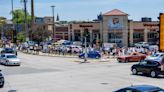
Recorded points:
(155,55)
(157,90)
(11,56)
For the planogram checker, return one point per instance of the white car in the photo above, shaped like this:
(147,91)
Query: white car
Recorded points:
(156,57)
(142,44)
(9,59)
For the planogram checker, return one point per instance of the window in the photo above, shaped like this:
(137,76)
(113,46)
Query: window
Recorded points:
(143,62)
(151,63)
(2,55)
(137,35)
(127,90)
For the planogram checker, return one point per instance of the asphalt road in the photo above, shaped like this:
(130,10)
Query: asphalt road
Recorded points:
(57,74)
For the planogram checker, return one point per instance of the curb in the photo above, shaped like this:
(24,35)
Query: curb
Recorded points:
(50,55)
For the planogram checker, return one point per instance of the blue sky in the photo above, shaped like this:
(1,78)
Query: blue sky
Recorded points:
(88,9)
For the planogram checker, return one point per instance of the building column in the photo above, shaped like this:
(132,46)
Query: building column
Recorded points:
(63,36)
(81,35)
(105,36)
(73,35)
(125,32)
(69,35)
(131,31)
(101,31)
(146,35)
(91,36)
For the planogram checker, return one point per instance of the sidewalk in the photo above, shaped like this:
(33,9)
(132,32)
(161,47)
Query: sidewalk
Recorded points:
(51,55)
(106,59)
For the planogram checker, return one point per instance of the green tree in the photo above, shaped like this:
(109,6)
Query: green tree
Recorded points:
(19,16)
(21,37)
(40,34)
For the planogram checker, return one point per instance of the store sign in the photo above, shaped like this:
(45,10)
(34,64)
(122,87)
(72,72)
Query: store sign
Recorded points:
(161,42)
(150,25)
(85,25)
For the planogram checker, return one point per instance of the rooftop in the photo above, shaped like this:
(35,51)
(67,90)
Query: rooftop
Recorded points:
(115,12)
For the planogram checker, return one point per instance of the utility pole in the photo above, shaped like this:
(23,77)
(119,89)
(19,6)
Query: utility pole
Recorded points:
(25,24)
(13,26)
(12,7)
(32,17)
(54,38)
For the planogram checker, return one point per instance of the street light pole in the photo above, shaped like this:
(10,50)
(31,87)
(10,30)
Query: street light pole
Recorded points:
(85,57)
(53,23)
(25,24)
(13,26)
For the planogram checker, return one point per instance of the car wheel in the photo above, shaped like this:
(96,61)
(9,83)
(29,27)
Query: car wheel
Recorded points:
(82,57)
(119,60)
(1,86)
(153,74)
(134,71)
(97,57)
(126,60)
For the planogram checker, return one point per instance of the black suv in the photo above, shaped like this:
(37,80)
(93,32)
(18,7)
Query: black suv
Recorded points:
(1,80)
(149,67)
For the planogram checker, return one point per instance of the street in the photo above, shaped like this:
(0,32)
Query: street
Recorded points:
(57,74)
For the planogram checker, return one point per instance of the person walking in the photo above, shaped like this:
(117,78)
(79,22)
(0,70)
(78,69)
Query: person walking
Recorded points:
(162,64)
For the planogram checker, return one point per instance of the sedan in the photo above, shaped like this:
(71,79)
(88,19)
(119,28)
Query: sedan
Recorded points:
(152,68)
(10,59)
(91,54)
(141,88)
(1,80)
(133,57)
(8,50)
(156,57)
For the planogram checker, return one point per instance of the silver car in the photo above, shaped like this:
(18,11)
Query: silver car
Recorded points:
(9,59)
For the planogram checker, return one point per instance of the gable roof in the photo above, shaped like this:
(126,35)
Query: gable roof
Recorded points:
(115,12)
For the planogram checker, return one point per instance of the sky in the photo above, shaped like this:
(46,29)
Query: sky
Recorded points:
(84,10)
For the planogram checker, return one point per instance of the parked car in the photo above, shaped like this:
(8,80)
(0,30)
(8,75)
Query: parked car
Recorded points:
(132,57)
(9,59)
(8,50)
(2,81)
(141,88)
(142,44)
(152,68)
(91,54)
(155,57)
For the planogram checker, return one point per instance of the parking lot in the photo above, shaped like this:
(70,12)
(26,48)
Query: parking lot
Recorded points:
(57,74)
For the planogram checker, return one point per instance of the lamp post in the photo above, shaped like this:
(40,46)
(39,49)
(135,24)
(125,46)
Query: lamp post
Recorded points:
(85,33)
(53,23)
(13,26)
(25,24)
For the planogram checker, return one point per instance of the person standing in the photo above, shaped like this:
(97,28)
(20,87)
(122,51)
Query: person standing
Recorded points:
(162,64)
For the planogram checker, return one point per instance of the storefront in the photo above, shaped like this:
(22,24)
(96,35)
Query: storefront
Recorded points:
(76,31)
(115,27)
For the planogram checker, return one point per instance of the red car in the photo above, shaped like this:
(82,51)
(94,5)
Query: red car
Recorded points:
(133,57)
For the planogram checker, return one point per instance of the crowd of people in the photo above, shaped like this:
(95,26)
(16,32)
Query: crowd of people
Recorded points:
(76,50)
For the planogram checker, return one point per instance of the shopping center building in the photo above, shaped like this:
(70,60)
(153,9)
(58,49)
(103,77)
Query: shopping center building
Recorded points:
(115,27)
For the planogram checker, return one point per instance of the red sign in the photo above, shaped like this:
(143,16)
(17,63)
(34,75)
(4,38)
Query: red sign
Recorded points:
(85,25)
(150,25)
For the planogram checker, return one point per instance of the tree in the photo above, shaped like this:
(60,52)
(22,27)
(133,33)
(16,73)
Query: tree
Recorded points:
(40,34)
(21,36)
(19,16)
